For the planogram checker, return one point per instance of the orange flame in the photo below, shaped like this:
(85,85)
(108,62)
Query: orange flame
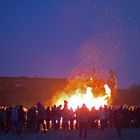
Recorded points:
(88,98)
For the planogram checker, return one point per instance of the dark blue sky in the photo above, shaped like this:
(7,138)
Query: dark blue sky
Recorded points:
(49,38)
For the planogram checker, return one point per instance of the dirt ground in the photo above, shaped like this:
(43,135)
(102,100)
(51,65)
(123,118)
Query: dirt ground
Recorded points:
(93,134)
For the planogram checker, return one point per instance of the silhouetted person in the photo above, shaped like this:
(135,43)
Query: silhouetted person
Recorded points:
(65,104)
(102,118)
(54,117)
(77,112)
(119,122)
(32,119)
(14,118)
(2,119)
(41,116)
(21,119)
(48,117)
(58,115)
(83,121)
(71,118)
(92,117)
(65,117)
(8,119)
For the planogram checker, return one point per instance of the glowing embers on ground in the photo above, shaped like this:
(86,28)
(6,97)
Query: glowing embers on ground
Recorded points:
(88,98)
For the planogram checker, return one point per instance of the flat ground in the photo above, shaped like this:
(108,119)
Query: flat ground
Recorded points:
(93,134)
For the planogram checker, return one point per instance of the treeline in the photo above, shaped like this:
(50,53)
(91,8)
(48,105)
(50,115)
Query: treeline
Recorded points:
(29,91)
(129,96)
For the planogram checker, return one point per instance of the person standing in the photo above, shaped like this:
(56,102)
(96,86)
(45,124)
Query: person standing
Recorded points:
(118,122)
(102,118)
(83,121)
(41,116)
(48,117)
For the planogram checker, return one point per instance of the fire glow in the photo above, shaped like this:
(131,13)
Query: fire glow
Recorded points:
(88,98)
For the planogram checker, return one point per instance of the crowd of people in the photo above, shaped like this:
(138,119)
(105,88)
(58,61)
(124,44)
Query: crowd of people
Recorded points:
(40,119)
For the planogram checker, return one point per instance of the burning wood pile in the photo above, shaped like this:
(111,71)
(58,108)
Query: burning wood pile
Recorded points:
(89,91)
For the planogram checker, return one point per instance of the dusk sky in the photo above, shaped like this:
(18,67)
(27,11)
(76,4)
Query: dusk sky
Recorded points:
(50,38)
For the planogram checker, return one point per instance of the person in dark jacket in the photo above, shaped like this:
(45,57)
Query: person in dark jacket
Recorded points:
(83,121)
(21,119)
(8,119)
(41,116)
(48,117)
(32,119)
(119,122)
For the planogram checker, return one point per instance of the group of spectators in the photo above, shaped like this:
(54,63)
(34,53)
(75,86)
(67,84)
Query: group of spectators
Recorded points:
(40,119)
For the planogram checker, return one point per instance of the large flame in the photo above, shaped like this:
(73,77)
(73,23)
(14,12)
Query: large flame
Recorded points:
(88,98)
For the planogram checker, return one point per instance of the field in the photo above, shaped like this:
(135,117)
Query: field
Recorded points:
(108,134)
